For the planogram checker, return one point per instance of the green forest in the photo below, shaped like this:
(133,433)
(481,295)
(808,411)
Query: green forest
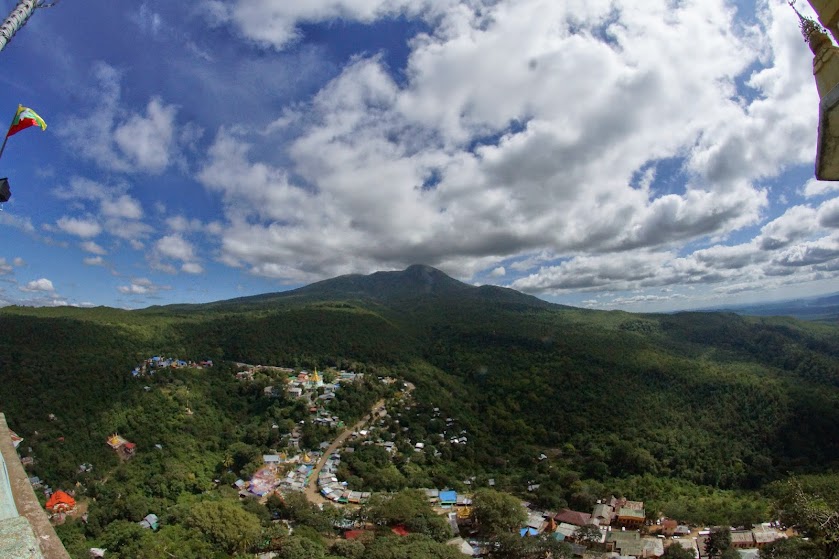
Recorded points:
(704,416)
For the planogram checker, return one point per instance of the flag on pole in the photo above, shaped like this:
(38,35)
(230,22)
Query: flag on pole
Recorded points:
(25,118)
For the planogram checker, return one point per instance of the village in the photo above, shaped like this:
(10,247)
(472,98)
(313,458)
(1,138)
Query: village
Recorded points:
(614,528)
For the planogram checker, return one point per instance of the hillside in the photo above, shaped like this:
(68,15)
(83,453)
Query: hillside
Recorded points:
(671,408)
(824,308)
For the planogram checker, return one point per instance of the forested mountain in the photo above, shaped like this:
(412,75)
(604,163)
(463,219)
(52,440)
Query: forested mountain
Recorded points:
(684,410)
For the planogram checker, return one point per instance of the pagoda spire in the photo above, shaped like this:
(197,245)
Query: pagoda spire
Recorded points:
(812,31)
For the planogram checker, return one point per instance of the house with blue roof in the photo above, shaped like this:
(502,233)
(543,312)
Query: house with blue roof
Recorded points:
(448,498)
(528,531)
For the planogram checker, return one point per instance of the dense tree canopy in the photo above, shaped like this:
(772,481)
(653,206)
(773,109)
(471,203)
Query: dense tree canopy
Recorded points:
(711,409)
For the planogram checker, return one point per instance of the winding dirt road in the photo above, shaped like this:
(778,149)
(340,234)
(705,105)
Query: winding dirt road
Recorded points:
(312,491)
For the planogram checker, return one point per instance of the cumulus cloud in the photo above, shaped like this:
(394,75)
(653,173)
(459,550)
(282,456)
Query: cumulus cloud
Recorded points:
(275,24)
(192,268)
(80,227)
(828,214)
(146,140)
(123,206)
(512,144)
(489,150)
(42,284)
(118,139)
(175,247)
(119,213)
(93,248)
(815,187)
(94,261)
(141,286)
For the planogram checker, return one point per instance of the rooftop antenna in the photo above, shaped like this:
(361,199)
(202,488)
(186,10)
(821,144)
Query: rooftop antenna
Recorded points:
(19,16)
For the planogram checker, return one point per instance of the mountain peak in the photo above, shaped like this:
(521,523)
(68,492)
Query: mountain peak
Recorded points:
(417,279)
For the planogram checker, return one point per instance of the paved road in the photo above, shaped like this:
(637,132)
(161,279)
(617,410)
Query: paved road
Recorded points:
(312,491)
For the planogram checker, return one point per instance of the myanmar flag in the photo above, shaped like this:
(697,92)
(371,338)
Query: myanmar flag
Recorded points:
(25,118)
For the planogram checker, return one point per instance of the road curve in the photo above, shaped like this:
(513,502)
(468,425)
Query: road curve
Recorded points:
(312,491)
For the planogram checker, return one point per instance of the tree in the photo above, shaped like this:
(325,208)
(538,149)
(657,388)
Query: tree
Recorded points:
(409,507)
(301,548)
(588,534)
(718,541)
(812,515)
(792,548)
(512,546)
(676,551)
(730,553)
(226,524)
(351,549)
(497,512)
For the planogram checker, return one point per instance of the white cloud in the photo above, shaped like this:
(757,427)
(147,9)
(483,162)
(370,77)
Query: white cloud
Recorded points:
(121,140)
(174,247)
(147,140)
(42,284)
(797,223)
(275,24)
(18,261)
(141,286)
(828,214)
(120,214)
(122,207)
(93,248)
(84,228)
(522,143)
(192,268)
(148,21)
(5,268)
(816,187)
(94,261)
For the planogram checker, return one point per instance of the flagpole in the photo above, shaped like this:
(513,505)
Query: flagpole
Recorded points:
(16,19)
(6,139)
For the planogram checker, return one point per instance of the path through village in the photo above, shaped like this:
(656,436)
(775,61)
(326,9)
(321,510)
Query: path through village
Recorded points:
(312,491)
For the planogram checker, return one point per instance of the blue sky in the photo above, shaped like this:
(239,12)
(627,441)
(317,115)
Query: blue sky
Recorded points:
(636,154)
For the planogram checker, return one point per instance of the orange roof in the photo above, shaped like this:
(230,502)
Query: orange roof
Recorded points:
(400,530)
(60,502)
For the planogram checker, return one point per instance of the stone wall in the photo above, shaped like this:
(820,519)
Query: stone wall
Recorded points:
(29,535)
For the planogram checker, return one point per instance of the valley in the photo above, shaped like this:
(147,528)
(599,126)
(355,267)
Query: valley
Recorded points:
(703,417)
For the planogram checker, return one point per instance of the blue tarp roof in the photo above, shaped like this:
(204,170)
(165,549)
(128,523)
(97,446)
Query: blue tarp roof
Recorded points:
(528,532)
(448,496)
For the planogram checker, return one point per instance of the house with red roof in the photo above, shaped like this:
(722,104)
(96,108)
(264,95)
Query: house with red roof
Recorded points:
(573,517)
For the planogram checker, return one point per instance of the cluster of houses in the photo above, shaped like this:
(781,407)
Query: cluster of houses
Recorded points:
(618,522)
(270,477)
(148,366)
(337,491)
(303,385)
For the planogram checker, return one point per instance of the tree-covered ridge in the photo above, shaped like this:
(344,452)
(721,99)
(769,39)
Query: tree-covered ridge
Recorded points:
(690,412)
